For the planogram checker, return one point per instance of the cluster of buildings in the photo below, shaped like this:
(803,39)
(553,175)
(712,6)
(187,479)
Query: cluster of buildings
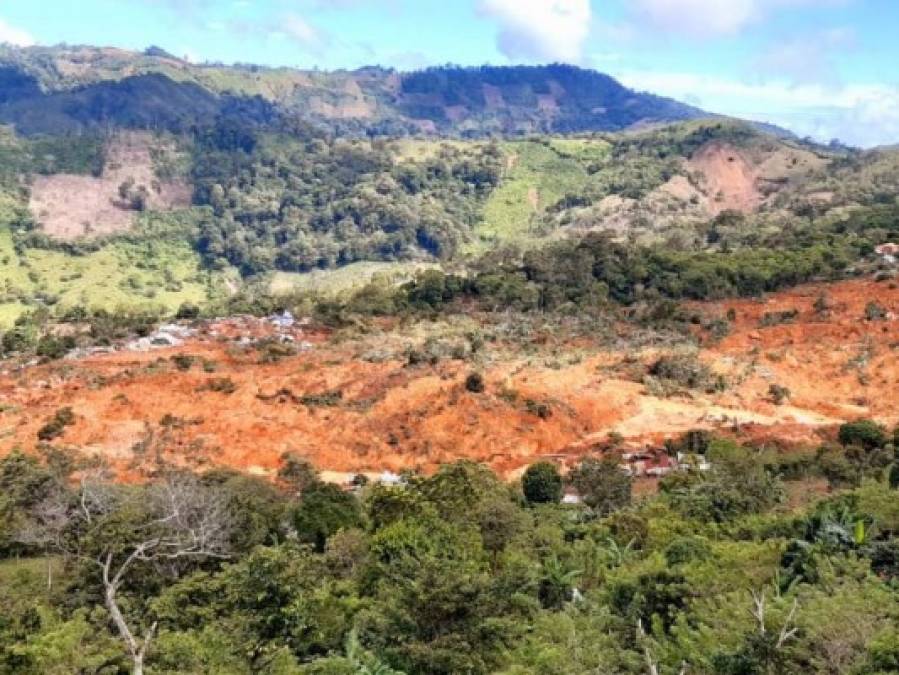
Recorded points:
(646,462)
(650,463)
(657,463)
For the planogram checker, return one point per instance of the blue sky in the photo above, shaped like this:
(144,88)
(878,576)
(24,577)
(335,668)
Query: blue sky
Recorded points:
(824,68)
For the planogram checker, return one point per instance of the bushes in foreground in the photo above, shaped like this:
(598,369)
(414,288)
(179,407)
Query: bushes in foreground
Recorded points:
(451,573)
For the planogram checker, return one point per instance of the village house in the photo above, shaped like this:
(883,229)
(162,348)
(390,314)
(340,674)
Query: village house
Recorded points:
(654,462)
(571,496)
(889,253)
(688,462)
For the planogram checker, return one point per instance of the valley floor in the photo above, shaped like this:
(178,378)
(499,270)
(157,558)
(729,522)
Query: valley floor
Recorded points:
(351,402)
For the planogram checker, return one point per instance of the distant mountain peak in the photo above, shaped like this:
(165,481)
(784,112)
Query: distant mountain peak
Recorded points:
(67,88)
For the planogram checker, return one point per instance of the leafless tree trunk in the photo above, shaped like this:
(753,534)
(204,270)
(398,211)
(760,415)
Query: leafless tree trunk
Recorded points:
(137,648)
(179,520)
(788,630)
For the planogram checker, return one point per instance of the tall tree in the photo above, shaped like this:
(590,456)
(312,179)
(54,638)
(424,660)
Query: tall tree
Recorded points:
(120,529)
(604,486)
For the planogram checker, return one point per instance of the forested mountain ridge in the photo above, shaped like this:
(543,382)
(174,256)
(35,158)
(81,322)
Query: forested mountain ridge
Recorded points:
(89,87)
(142,179)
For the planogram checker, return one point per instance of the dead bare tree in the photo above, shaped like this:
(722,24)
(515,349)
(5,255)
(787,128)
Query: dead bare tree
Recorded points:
(118,527)
(788,630)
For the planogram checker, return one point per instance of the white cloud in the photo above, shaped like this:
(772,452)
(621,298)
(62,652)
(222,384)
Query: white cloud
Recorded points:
(713,18)
(15,36)
(808,58)
(554,30)
(307,36)
(859,114)
(698,17)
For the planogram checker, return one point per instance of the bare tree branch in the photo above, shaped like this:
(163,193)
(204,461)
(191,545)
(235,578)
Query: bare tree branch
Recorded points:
(787,633)
(174,519)
(758,610)
(788,630)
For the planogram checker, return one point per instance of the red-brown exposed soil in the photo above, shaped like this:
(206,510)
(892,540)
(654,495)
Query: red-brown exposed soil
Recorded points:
(391,416)
(730,180)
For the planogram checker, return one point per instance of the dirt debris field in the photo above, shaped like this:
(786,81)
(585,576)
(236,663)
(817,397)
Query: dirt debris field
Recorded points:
(348,414)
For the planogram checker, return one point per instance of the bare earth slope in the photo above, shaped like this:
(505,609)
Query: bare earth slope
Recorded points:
(390,415)
(729,179)
(70,206)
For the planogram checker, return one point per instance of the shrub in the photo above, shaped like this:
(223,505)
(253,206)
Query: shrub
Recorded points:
(737,485)
(837,468)
(324,510)
(272,351)
(603,485)
(55,426)
(187,310)
(538,408)
(475,383)
(52,347)
(325,399)
(687,549)
(542,483)
(778,394)
(875,312)
(21,338)
(864,433)
(685,371)
(822,305)
(718,328)
(652,597)
(894,476)
(184,362)
(777,318)
(224,385)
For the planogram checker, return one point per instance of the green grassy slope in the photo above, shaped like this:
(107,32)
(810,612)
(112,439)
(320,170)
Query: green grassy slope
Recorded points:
(142,273)
(538,174)
(346,278)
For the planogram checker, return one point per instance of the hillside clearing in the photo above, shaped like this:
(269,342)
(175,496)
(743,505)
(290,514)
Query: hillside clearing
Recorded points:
(346,278)
(69,206)
(536,177)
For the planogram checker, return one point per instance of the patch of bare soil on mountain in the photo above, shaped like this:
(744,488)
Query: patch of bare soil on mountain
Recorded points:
(493,97)
(358,405)
(350,103)
(819,342)
(68,206)
(730,180)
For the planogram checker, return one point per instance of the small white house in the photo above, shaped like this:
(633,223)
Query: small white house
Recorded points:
(283,321)
(889,253)
(571,497)
(390,479)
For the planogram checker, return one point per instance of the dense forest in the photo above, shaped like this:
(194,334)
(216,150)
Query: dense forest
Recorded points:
(298,204)
(586,100)
(459,572)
